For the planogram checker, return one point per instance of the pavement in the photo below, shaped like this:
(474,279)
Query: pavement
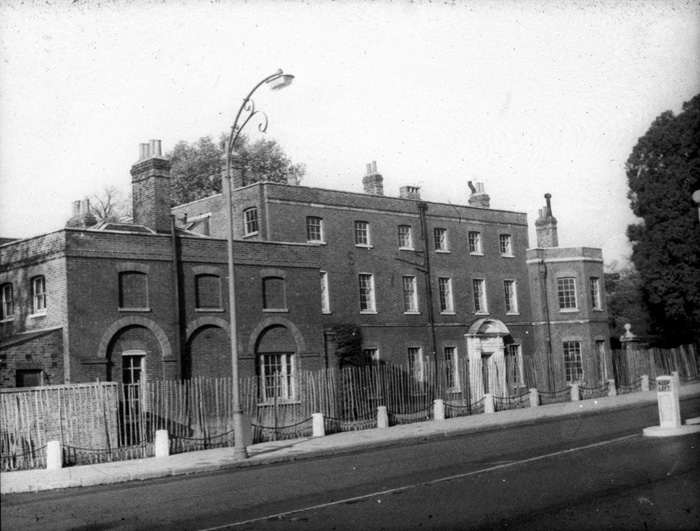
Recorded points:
(310,447)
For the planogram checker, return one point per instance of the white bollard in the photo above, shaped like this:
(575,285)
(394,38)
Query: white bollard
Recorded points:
(575,394)
(612,390)
(645,382)
(162,445)
(318,427)
(669,404)
(54,455)
(382,417)
(534,398)
(488,403)
(438,409)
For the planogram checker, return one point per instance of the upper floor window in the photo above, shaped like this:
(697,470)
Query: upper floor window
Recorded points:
(250,218)
(38,295)
(325,295)
(7,297)
(572,361)
(511,296)
(506,243)
(207,292)
(480,305)
(475,242)
(445,289)
(405,237)
(410,295)
(274,297)
(367,303)
(314,229)
(595,293)
(362,236)
(440,239)
(133,290)
(566,293)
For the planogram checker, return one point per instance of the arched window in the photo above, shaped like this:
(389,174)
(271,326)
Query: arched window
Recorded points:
(133,290)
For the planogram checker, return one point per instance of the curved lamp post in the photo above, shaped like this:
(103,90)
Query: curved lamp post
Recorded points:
(276,81)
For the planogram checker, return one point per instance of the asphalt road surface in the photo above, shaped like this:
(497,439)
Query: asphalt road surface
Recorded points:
(584,472)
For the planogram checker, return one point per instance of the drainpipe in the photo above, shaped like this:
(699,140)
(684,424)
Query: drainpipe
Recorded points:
(422,209)
(176,297)
(550,357)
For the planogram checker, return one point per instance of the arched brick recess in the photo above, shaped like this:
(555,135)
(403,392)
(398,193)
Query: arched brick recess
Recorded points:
(272,321)
(206,321)
(135,320)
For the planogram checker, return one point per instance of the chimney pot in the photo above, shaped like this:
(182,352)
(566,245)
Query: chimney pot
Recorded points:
(374,166)
(369,169)
(76,208)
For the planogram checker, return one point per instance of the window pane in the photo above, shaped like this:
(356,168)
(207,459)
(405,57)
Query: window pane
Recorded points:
(8,304)
(38,294)
(325,296)
(451,369)
(445,289)
(511,297)
(440,239)
(479,295)
(415,364)
(251,221)
(566,291)
(314,230)
(410,299)
(505,242)
(475,242)
(361,233)
(595,293)
(572,361)
(276,377)
(405,237)
(366,292)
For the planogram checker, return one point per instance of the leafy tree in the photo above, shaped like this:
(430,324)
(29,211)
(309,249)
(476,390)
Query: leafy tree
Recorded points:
(196,167)
(663,171)
(625,302)
(348,341)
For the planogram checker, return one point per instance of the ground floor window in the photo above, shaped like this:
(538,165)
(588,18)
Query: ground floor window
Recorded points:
(600,361)
(28,378)
(133,374)
(276,377)
(572,362)
(416,366)
(451,370)
(514,365)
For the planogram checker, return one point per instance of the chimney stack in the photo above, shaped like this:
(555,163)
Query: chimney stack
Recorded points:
(373,181)
(479,198)
(82,217)
(150,180)
(546,226)
(409,192)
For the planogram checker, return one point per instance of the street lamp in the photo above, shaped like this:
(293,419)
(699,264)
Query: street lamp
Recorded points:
(276,81)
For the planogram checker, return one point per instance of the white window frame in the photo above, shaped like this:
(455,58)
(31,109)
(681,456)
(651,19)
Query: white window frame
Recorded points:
(516,350)
(474,240)
(251,221)
(452,369)
(363,237)
(601,360)
(8,302)
(372,356)
(313,229)
(511,296)
(416,364)
(441,242)
(481,306)
(505,244)
(445,295)
(566,286)
(410,294)
(325,294)
(369,304)
(594,286)
(287,377)
(38,284)
(573,361)
(408,236)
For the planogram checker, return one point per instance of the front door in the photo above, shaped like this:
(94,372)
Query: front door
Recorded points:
(485,359)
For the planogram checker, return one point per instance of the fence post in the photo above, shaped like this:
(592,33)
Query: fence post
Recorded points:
(54,455)
(438,409)
(575,393)
(645,382)
(612,391)
(162,445)
(534,398)
(382,417)
(488,403)
(318,428)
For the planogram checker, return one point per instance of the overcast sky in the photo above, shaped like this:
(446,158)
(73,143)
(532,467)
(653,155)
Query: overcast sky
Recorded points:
(526,97)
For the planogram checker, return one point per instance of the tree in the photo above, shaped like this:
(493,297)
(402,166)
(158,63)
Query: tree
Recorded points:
(663,171)
(624,294)
(111,204)
(196,167)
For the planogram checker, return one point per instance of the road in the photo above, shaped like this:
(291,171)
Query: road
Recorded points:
(584,472)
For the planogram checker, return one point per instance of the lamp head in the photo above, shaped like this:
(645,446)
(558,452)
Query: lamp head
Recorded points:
(280,82)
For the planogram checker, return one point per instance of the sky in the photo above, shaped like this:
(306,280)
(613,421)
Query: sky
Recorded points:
(528,97)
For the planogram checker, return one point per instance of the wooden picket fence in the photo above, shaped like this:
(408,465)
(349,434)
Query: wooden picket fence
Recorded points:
(629,365)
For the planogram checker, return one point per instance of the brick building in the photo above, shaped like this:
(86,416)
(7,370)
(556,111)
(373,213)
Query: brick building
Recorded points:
(422,280)
(122,302)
